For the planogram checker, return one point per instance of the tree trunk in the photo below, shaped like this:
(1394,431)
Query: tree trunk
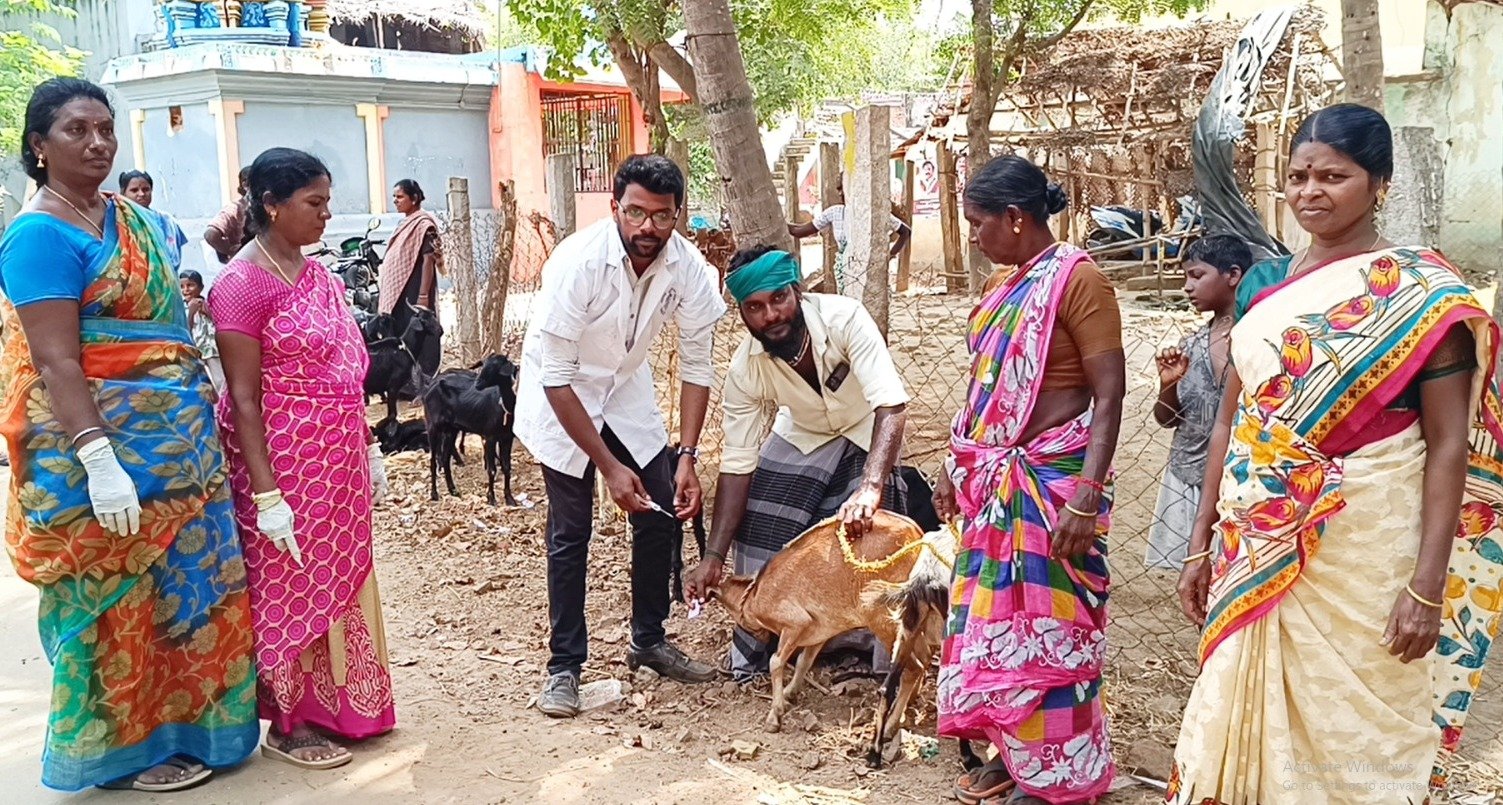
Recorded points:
(725,95)
(978,120)
(493,310)
(1362,52)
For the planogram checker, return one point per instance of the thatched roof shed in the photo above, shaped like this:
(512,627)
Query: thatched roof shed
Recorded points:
(442,26)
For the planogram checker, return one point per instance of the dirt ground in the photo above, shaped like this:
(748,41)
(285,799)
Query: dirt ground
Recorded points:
(463,592)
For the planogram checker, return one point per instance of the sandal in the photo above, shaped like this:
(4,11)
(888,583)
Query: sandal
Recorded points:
(287,745)
(198,774)
(969,796)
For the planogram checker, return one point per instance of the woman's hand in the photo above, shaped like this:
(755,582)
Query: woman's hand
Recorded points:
(1074,534)
(112,493)
(1172,365)
(1413,628)
(944,498)
(1194,588)
(379,485)
(275,521)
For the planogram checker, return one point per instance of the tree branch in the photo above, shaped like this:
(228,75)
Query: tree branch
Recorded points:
(675,65)
(1053,39)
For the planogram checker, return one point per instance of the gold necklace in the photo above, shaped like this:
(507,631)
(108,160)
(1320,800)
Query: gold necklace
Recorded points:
(1300,265)
(74,207)
(804,350)
(278,266)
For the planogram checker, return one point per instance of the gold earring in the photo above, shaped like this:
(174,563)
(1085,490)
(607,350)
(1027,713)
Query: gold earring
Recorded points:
(41,160)
(273,216)
(1017,229)
(1382,199)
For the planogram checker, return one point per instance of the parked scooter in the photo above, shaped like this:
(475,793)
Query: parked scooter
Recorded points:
(358,265)
(1121,224)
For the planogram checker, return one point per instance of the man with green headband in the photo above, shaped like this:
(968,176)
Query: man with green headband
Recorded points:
(820,360)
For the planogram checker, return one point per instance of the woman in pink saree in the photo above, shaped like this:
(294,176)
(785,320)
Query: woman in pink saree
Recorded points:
(305,473)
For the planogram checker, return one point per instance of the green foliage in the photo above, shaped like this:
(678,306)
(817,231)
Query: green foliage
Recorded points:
(797,52)
(502,29)
(30,52)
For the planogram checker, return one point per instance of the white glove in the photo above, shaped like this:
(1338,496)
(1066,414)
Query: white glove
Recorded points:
(379,486)
(111,491)
(275,522)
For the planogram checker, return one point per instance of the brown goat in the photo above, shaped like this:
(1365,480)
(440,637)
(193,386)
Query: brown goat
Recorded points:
(808,593)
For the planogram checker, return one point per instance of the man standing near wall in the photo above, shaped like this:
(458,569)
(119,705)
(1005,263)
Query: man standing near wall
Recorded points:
(587,403)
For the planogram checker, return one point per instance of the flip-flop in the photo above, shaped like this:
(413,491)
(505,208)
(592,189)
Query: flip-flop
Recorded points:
(133,782)
(969,796)
(290,745)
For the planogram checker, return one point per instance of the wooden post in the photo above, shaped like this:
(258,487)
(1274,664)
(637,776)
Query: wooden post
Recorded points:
(1265,177)
(790,188)
(1062,176)
(459,259)
(563,172)
(956,278)
(498,284)
(829,196)
(868,212)
(905,257)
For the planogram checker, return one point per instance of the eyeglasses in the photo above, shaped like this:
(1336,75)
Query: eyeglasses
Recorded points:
(636,215)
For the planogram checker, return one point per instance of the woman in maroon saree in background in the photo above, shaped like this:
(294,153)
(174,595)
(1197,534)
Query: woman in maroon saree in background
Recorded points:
(304,470)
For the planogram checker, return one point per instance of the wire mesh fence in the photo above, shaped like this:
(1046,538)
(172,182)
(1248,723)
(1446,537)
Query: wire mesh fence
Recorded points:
(1152,648)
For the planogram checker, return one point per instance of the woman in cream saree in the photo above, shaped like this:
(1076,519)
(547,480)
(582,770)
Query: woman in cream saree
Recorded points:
(1361,427)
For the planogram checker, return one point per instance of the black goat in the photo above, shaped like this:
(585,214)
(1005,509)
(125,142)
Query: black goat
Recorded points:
(401,437)
(481,403)
(394,373)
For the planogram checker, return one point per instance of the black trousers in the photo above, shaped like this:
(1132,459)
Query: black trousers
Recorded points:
(571,514)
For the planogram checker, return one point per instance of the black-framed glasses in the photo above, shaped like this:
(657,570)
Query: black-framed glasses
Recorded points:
(636,216)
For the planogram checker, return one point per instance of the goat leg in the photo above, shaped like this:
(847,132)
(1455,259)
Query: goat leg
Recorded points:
(506,465)
(435,455)
(884,705)
(801,668)
(489,449)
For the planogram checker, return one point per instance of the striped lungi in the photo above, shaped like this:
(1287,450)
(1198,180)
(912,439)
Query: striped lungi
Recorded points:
(790,492)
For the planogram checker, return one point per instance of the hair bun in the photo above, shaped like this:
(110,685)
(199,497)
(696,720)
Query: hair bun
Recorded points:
(1055,200)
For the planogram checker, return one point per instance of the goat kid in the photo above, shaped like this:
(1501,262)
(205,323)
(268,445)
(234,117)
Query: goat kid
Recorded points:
(401,437)
(920,607)
(468,402)
(808,593)
(393,372)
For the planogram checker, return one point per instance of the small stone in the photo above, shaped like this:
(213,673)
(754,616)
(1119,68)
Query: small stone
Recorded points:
(810,761)
(745,750)
(729,689)
(811,722)
(644,676)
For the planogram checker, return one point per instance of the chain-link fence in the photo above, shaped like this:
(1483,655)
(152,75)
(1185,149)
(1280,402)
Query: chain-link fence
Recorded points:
(1153,649)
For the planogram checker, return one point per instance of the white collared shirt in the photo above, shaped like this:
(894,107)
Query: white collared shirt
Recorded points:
(593,326)
(840,332)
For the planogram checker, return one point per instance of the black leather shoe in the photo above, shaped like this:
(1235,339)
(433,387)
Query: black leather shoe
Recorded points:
(670,662)
(560,696)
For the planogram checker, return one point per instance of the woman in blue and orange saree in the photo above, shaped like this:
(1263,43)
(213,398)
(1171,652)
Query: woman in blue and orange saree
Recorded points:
(119,511)
(1347,574)
(1030,464)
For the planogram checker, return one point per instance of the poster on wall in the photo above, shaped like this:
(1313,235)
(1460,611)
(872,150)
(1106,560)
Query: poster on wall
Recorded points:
(925,160)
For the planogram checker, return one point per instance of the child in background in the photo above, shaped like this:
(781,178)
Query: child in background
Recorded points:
(1192,377)
(191,283)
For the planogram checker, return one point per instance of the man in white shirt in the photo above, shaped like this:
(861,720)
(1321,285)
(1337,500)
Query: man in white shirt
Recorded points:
(586,403)
(832,219)
(821,361)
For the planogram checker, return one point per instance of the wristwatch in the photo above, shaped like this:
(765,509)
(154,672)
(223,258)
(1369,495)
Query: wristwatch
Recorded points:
(691,452)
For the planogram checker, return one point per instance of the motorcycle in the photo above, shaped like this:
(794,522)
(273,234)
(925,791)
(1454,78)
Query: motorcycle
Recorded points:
(358,266)
(1120,224)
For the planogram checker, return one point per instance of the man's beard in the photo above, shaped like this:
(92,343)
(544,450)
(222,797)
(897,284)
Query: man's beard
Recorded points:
(635,248)
(789,347)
